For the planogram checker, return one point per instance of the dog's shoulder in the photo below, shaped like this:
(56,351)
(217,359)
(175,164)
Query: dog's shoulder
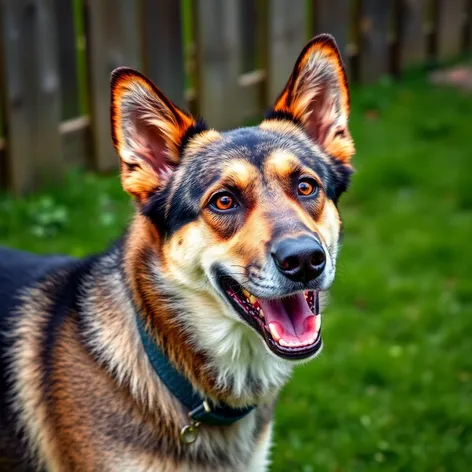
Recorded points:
(19,270)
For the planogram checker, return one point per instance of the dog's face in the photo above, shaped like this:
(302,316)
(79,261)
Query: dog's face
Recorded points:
(248,217)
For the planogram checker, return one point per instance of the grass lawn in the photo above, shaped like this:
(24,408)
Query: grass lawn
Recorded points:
(392,390)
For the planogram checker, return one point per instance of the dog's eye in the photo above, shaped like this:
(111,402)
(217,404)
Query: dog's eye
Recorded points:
(223,201)
(307,186)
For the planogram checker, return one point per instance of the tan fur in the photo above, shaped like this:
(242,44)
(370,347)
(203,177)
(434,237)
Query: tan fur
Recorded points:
(69,432)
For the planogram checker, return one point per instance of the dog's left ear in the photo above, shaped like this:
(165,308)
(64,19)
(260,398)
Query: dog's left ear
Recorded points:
(148,132)
(317,97)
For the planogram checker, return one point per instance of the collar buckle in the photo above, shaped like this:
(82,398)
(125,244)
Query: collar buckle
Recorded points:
(189,433)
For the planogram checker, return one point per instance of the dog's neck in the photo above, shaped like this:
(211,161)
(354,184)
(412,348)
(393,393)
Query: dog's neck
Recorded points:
(222,358)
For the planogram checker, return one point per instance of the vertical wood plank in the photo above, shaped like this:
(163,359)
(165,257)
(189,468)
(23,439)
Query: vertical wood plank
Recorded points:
(252,80)
(3,166)
(112,40)
(333,17)
(48,104)
(374,47)
(468,33)
(163,48)
(219,64)
(76,141)
(450,24)
(412,38)
(32,92)
(67,45)
(18,167)
(248,23)
(286,38)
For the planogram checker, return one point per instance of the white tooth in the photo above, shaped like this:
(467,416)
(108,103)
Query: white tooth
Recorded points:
(274,333)
(261,313)
(317,323)
(284,343)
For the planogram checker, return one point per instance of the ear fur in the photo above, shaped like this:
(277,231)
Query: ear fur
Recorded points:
(148,132)
(317,97)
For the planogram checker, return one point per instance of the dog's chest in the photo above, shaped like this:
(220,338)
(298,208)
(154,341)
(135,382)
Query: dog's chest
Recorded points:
(242,449)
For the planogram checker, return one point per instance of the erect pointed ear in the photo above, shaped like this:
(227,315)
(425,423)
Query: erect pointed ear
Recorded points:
(317,97)
(148,132)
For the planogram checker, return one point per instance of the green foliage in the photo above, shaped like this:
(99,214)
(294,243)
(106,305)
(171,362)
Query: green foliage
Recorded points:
(392,390)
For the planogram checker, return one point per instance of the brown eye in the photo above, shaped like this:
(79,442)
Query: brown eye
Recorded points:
(306,187)
(223,201)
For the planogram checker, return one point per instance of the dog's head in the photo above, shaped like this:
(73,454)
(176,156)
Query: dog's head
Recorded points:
(247,218)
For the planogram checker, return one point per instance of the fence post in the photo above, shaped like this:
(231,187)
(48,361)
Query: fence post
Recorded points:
(286,38)
(333,17)
(67,56)
(218,62)
(451,17)
(112,41)
(32,93)
(163,48)
(374,48)
(412,34)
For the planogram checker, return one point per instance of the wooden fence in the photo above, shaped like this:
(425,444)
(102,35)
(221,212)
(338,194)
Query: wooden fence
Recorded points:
(224,59)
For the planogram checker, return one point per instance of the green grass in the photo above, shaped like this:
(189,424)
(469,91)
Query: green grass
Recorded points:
(392,390)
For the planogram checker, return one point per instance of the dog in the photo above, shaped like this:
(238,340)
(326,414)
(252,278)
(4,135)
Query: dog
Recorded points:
(167,352)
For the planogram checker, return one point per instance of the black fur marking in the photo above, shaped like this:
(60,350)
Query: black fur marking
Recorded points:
(272,114)
(155,209)
(182,210)
(340,177)
(199,127)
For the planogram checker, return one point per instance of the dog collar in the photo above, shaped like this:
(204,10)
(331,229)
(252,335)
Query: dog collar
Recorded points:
(200,409)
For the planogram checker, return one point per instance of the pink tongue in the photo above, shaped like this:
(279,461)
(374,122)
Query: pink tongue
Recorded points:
(295,321)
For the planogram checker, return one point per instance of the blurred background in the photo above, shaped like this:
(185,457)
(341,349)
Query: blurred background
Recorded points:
(393,388)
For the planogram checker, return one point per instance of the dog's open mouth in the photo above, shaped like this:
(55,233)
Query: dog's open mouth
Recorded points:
(291,325)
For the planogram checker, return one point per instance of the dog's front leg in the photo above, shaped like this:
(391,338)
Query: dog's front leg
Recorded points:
(260,460)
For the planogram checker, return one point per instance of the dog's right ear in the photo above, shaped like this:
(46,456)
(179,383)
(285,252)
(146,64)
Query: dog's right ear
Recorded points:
(148,132)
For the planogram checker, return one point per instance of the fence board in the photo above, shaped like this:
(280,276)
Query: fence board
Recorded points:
(374,47)
(67,44)
(412,37)
(32,92)
(112,40)
(219,58)
(286,38)
(163,48)
(450,22)
(333,17)
(468,38)
(48,103)
(248,22)
(3,166)
(76,141)
(252,81)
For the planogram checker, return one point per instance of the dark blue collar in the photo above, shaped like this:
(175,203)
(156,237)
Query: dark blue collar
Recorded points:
(200,409)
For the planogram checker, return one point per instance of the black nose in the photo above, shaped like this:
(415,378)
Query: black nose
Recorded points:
(301,259)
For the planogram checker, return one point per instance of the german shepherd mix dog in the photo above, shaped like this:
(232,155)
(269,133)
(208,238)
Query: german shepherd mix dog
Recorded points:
(167,352)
